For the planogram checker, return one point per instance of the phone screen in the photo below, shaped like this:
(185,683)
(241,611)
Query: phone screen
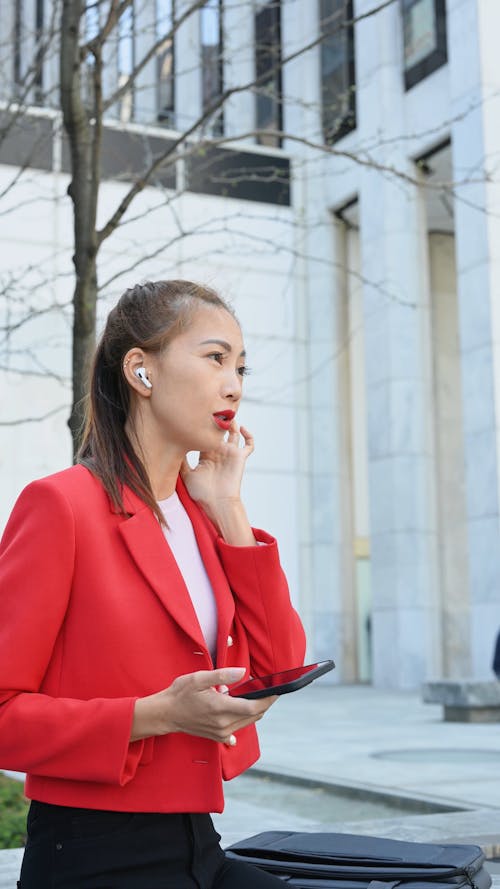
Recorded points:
(280,683)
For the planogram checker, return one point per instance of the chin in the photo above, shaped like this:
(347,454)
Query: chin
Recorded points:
(208,442)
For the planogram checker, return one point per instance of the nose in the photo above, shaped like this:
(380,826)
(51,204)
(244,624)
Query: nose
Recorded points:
(232,385)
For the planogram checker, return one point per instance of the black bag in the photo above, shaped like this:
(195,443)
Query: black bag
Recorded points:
(349,861)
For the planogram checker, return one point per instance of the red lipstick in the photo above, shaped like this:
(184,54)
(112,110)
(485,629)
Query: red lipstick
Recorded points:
(224,419)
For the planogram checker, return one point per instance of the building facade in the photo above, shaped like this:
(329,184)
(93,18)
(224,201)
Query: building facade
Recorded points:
(344,194)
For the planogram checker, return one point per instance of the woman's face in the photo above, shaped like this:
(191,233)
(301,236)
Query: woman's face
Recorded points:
(197,382)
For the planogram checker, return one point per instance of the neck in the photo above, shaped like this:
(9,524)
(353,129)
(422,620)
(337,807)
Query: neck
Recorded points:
(164,479)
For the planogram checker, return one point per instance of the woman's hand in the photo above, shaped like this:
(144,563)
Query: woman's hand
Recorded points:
(215,484)
(219,472)
(193,705)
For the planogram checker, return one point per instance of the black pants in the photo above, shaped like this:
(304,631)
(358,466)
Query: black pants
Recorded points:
(70,848)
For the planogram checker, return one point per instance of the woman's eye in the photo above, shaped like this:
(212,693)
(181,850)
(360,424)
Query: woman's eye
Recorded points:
(244,370)
(217,356)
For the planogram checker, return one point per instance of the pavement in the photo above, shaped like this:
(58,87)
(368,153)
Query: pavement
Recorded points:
(329,751)
(381,750)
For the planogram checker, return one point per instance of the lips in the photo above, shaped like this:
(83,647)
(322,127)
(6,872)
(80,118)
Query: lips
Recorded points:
(224,419)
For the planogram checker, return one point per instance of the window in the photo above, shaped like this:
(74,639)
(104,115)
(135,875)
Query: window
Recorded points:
(165,15)
(268,66)
(337,69)
(424,38)
(18,39)
(38,79)
(212,49)
(28,49)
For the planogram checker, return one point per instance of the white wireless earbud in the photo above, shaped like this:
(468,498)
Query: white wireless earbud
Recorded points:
(141,374)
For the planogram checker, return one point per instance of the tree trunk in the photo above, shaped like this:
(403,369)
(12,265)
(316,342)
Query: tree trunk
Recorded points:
(83,135)
(84,319)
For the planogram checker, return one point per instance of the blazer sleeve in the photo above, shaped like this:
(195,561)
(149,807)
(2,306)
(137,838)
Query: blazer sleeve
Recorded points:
(274,630)
(86,740)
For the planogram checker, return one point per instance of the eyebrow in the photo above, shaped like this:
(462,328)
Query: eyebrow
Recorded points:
(225,346)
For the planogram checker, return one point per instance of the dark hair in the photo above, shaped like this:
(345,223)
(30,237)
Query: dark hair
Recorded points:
(148,316)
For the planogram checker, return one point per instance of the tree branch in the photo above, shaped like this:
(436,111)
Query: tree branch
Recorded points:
(218,103)
(23,420)
(116,11)
(151,53)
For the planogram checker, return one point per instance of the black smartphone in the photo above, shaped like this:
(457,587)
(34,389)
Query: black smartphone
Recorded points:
(280,683)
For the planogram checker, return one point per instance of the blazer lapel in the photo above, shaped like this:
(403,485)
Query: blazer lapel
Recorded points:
(206,537)
(146,543)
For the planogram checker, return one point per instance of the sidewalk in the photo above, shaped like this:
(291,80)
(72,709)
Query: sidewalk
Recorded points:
(374,745)
(380,738)
(366,740)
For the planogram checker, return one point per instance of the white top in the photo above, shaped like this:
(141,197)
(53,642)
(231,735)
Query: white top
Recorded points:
(182,541)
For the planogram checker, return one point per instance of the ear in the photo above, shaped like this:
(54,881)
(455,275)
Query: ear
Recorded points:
(133,360)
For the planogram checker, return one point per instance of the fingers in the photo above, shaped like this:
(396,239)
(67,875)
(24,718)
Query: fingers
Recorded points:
(248,439)
(196,707)
(223,676)
(235,432)
(257,710)
(192,704)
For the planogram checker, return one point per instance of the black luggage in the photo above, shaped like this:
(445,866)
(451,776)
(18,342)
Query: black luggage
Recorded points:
(349,861)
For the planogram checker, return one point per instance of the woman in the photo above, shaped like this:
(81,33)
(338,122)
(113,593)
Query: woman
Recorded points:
(124,581)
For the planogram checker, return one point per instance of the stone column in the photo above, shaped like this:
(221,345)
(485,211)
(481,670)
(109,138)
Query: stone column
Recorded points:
(450,461)
(474,27)
(188,74)
(239,67)
(406,613)
(319,392)
(145,87)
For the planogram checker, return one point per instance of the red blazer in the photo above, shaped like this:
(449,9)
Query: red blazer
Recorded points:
(93,614)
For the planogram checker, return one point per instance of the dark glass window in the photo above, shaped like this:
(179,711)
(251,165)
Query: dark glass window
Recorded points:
(18,38)
(165,14)
(243,175)
(337,69)
(38,79)
(268,112)
(212,67)
(424,38)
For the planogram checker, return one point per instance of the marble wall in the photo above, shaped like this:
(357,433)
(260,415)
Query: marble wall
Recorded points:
(475,141)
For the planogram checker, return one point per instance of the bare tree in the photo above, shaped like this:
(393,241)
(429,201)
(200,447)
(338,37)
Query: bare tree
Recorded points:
(83,124)
(88,35)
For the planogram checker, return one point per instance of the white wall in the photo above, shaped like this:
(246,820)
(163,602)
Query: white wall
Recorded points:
(242,249)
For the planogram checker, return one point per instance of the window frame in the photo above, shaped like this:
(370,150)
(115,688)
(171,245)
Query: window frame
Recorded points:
(348,121)
(437,57)
(165,115)
(216,123)
(17,55)
(276,79)
(39,55)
